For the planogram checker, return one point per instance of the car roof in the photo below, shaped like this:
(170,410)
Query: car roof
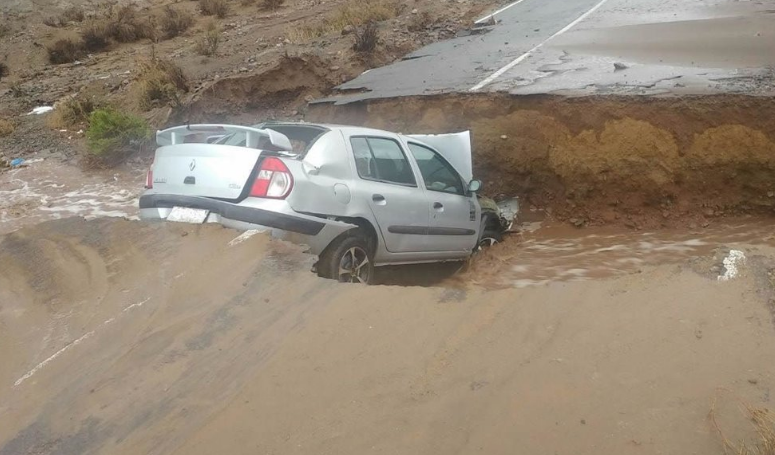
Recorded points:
(348,128)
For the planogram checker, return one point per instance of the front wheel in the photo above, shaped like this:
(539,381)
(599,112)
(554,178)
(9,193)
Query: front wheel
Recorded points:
(490,238)
(348,261)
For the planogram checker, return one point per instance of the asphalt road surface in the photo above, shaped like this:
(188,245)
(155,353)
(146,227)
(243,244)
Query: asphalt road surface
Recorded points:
(589,47)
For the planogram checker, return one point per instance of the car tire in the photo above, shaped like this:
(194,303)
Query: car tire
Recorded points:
(348,260)
(490,238)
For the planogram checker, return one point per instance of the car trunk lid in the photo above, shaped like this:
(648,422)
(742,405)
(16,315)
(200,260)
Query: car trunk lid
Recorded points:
(209,170)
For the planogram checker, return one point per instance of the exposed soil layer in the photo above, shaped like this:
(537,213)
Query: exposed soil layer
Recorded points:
(638,161)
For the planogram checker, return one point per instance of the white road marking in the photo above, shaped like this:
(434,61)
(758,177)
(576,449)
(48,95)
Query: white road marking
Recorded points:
(73,344)
(244,236)
(527,54)
(490,16)
(56,354)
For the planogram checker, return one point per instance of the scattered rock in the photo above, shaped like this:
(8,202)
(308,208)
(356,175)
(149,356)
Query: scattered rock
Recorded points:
(620,66)
(753,381)
(348,29)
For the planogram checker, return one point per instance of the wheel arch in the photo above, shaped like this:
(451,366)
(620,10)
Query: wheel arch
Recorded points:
(363,225)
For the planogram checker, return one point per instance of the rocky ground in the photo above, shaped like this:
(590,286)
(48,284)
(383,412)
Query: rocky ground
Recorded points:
(267,64)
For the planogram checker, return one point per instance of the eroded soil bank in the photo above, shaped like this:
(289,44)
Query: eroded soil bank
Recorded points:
(638,161)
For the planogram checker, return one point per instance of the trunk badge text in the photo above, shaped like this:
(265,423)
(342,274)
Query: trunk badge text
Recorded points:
(192,166)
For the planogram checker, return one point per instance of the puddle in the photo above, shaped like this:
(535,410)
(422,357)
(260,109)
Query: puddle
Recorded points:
(561,253)
(48,190)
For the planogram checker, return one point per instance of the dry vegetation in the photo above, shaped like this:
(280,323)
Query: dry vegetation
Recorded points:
(355,13)
(121,25)
(217,8)
(174,22)
(73,112)
(763,423)
(6,127)
(160,82)
(272,4)
(366,38)
(207,44)
(4,71)
(64,51)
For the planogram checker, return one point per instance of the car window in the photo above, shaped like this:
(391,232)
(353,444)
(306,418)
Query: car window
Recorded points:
(363,159)
(382,159)
(437,173)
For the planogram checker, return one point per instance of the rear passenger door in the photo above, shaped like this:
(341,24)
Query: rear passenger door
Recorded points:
(453,210)
(388,182)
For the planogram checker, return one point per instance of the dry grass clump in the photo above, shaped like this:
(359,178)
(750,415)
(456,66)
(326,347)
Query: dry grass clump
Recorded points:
(354,13)
(64,51)
(174,22)
(4,70)
(6,127)
(95,36)
(70,15)
(272,4)
(218,8)
(207,44)
(127,26)
(73,112)
(366,38)
(763,423)
(160,82)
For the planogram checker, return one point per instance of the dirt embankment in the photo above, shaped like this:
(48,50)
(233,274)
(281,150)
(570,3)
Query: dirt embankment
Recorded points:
(643,162)
(119,337)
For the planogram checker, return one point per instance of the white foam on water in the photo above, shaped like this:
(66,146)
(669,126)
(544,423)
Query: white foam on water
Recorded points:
(732,262)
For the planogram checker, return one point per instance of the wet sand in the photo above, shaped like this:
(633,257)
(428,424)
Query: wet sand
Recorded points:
(124,338)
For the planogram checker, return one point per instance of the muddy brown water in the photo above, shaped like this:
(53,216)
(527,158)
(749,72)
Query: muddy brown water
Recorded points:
(559,253)
(47,189)
(121,337)
(542,253)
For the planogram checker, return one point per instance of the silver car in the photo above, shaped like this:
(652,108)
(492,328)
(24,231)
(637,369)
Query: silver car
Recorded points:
(358,197)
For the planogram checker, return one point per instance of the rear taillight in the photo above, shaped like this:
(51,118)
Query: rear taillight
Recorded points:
(274,180)
(149,178)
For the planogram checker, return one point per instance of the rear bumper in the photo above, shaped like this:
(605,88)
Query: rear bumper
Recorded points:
(276,217)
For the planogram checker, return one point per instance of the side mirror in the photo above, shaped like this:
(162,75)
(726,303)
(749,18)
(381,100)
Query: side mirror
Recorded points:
(475,186)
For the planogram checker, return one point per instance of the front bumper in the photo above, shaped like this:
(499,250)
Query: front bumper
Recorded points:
(258,214)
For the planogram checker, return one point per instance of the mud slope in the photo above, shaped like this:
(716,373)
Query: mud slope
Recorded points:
(126,338)
(641,161)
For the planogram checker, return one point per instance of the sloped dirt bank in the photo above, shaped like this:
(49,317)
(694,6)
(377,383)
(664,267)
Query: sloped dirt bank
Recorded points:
(638,161)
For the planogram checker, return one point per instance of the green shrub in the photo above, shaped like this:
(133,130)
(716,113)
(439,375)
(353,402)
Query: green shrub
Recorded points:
(114,135)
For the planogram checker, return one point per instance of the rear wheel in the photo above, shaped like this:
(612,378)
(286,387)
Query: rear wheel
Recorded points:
(349,260)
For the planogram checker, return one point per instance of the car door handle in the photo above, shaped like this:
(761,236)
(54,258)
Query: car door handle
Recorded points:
(438,206)
(378,199)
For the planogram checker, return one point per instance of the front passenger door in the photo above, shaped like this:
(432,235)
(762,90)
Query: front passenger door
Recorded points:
(453,211)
